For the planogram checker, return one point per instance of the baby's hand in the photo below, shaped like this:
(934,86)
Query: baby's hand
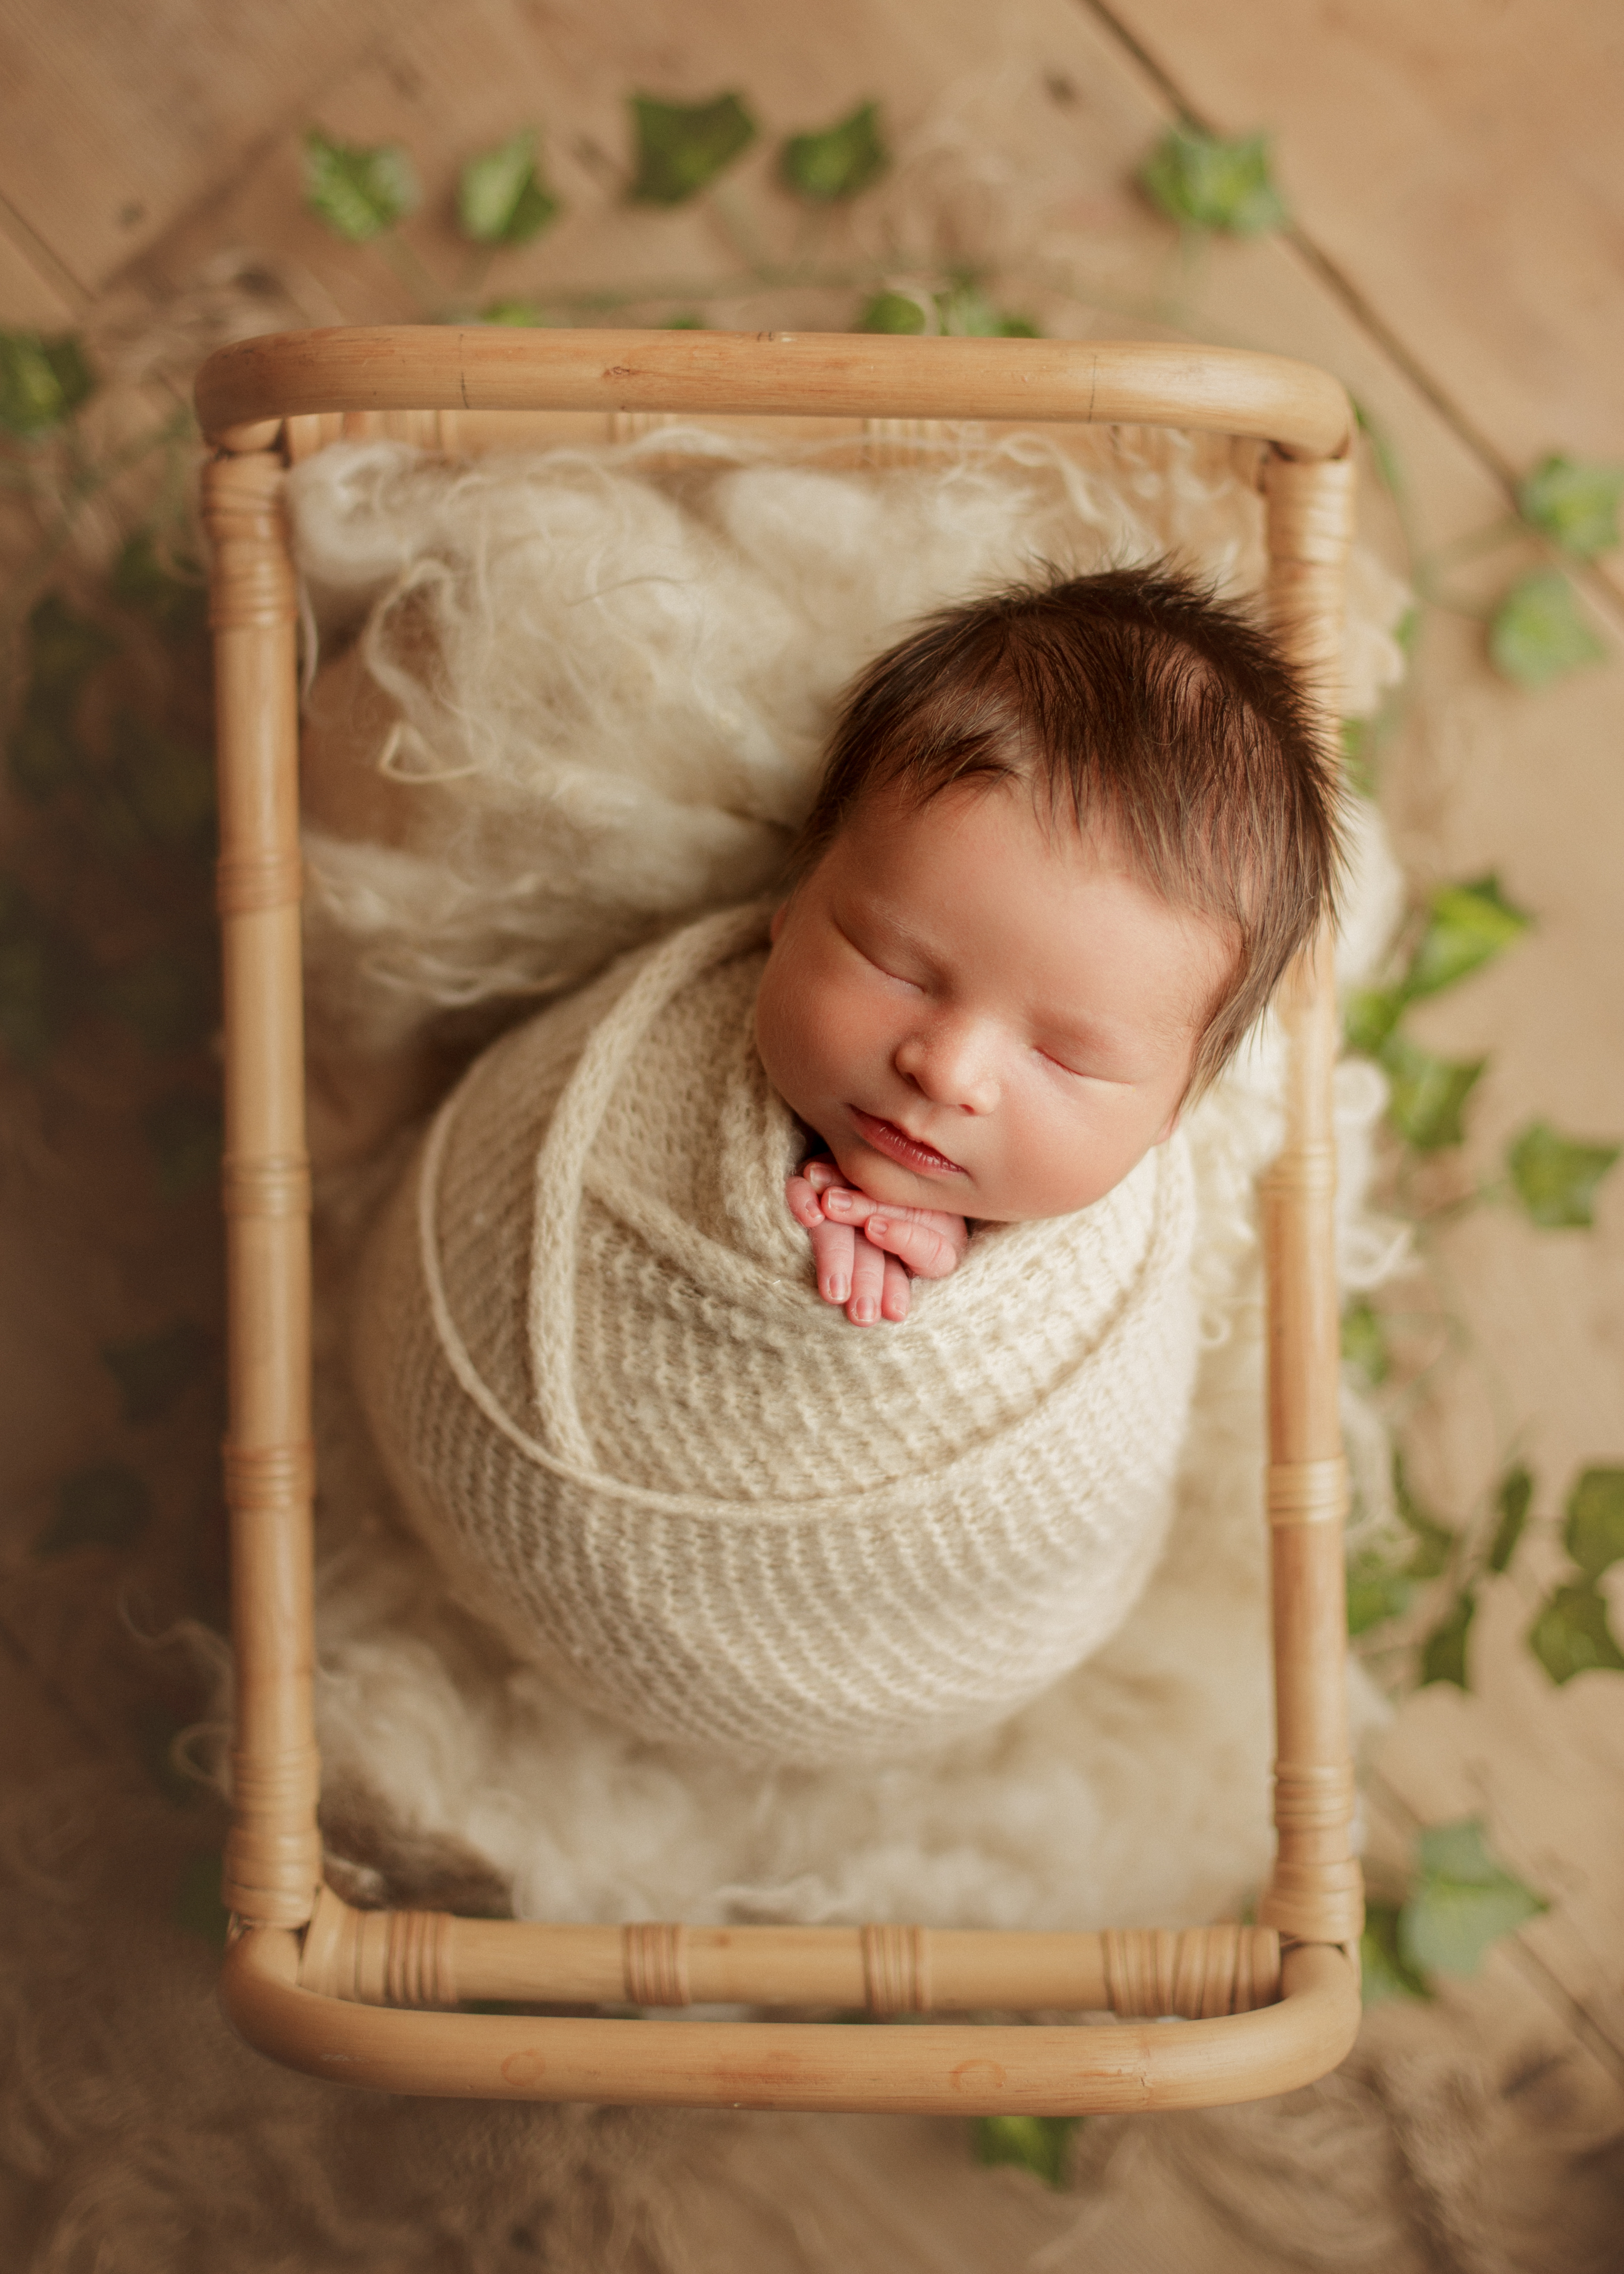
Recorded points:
(864,1250)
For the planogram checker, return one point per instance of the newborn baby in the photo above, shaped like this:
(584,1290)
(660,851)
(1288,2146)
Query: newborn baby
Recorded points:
(1067,841)
(1066,844)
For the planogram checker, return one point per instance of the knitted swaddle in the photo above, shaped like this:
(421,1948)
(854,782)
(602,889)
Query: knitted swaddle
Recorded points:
(595,1360)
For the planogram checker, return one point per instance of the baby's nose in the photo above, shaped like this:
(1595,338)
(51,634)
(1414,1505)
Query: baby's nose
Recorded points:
(951,1063)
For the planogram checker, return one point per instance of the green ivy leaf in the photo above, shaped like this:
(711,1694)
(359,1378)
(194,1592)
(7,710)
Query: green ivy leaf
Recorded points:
(1040,2144)
(1594,1532)
(966,313)
(681,147)
(166,997)
(1538,633)
(154,1370)
(42,979)
(1467,926)
(1427,1094)
(1556,1178)
(502,198)
(197,1906)
(168,784)
(1383,1972)
(1443,1653)
(1203,182)
(688,321)
(1574,504)
(142,580)
(1463,1901)
(106,1505)
(1434,1541)
(184,1134)
(1572,1635)
(892,311)
(1512,1500)
(518,313)
(357,191)
(1378,1591)
(1373,1014)
(42,381)
(1365,1341)
(841,161)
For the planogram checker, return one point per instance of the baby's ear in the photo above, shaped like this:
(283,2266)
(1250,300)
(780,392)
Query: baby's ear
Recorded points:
(1169,1124)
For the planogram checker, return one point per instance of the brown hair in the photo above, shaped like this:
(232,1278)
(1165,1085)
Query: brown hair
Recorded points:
(1133,698)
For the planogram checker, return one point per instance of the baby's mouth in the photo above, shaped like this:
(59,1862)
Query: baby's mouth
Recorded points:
(885,1137)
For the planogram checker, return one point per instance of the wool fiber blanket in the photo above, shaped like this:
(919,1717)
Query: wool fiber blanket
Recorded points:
(598,1370)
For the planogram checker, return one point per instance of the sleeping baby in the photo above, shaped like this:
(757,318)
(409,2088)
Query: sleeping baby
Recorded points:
(1068,839)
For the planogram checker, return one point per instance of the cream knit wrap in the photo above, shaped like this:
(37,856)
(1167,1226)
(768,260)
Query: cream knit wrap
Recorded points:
(598,1367)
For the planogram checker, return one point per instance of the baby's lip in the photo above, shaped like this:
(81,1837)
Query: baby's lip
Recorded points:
(886,1137)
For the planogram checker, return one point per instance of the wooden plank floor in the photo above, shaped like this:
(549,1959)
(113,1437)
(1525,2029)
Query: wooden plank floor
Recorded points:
(1458,186)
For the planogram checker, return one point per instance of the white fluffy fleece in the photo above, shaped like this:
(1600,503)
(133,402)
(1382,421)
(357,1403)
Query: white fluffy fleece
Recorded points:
(607,676)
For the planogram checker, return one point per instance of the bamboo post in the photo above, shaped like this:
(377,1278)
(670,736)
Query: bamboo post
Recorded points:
(1315,1894)
(273,1857)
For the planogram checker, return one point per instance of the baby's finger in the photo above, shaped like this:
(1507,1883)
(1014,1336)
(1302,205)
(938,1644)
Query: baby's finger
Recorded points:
(832,1255)
(821,1174)
(895,1300)
(803,1201)
(928,1253)
(868,1285)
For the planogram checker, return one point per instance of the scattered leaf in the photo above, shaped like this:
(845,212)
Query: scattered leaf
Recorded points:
(966,312)
(1365,1341)
(1203,182)
(1512,1500)
(184,1132)
(178,604)
(1538,633)
(1358,746)
(893,312)
(153,1370)
(1434,1541)
(1572,1635)
(1574,504)
(1390,467)
(1443,1653)
(42,979)
(1040,2144)
(106,1505)
(1377,1590)
(688,321)
(357,191)
(841,161)
(41,380)
(1383,1971)
(1594,1532)
(197,1906)
(166,997)
(169,785)
(1467,926)
(513,312)
(681,147)
(1373,1014)
(1463,1901)
(1427,1094)
(502,198)
(1556,1177)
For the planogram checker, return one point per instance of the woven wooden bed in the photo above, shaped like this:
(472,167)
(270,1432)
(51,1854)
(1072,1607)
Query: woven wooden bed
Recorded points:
(365,1998)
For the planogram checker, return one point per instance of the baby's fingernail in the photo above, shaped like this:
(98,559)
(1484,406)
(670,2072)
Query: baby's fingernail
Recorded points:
(863,1313)
(876,1227)
(838,1202)
(837,1289)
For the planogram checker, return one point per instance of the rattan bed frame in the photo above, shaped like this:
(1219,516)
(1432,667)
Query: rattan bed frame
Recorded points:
(323,1986)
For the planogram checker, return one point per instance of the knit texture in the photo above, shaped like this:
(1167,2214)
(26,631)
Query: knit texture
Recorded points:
(600,1372)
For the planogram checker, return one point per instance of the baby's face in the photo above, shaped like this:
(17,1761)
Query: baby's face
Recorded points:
(978,1013)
